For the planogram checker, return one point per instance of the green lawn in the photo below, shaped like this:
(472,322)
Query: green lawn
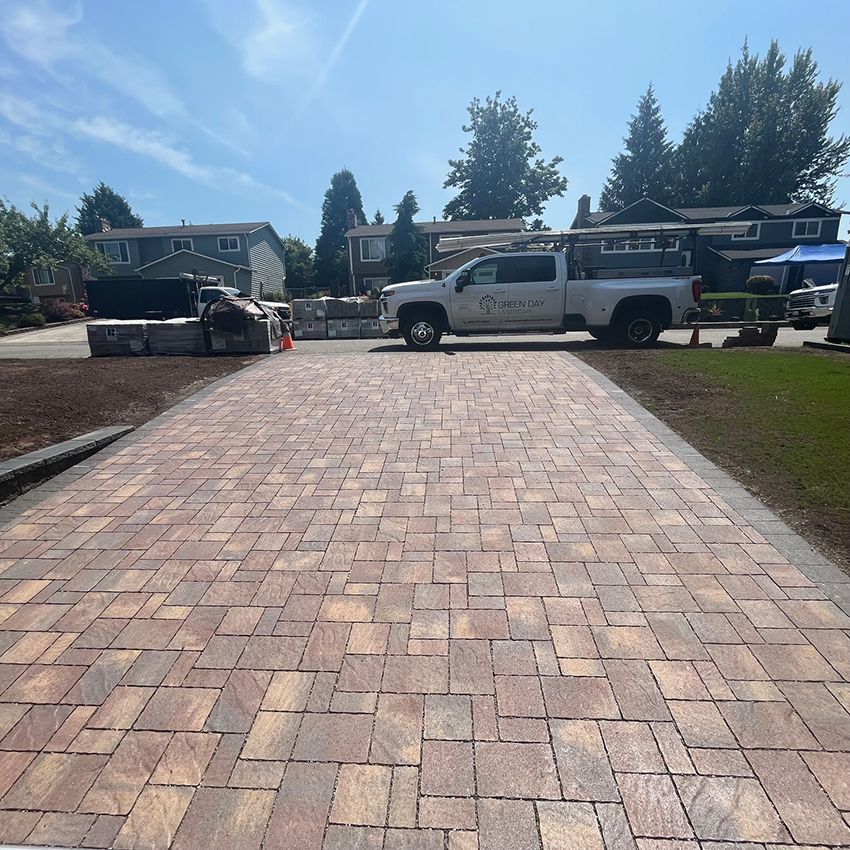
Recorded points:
(791,410)
(777,420)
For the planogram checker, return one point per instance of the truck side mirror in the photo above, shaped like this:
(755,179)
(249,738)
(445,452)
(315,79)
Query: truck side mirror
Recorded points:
(462,280)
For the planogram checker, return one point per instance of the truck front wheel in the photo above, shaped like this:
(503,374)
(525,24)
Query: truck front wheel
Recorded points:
(422,332)
(638,329)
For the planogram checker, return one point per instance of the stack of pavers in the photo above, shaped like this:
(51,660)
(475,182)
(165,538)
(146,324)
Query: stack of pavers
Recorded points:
(118,337)
(176,336)
(335,318)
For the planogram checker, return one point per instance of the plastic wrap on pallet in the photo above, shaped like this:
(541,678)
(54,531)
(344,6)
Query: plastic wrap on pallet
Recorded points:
(370,329)
(342,308)
(254,338)
(118,337)
(176,337)
(343,328)
(311,329)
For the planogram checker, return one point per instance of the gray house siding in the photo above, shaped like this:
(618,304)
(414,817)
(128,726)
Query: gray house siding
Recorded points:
(268,266)
(154,248)
(121,268)
(178,264)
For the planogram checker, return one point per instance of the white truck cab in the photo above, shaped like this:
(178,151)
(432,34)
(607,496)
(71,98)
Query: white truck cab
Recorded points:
(531,291)
(811,306)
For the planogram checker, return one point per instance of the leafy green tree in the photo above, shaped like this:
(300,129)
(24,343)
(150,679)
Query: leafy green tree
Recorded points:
(764,136)
(538,224)
(104,203)
(331,265)
(408,251)
(37,241)
(299,264)
(379,217)
(643,170)
(501,174)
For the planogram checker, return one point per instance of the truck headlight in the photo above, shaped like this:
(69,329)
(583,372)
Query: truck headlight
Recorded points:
(385,293)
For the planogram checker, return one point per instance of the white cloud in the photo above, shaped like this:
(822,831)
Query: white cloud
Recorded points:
(29,26)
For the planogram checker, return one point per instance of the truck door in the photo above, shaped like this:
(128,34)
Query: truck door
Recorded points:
(535,295)
(476,297)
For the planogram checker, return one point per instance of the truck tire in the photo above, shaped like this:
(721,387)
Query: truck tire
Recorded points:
(422,331)
(804,326)
(637,328)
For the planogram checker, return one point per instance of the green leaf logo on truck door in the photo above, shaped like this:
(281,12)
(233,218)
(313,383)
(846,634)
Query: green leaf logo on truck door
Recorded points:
(487,304)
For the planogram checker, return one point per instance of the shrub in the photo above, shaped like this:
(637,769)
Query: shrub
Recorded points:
(32,320)
(760,284)
(56,310)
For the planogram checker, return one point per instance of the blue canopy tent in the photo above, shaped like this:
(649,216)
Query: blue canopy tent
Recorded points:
(802,254)
(818,263)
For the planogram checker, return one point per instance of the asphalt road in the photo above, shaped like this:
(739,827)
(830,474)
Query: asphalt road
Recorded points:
(70,341)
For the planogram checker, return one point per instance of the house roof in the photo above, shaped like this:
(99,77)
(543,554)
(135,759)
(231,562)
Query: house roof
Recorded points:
(192,254)
(492,225)
(454,261)
(716,213)
(179,230)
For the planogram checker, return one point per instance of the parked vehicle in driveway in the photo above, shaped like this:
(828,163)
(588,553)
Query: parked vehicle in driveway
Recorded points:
(536,291)
(811,306)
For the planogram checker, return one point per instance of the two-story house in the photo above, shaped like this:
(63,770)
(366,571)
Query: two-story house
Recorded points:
(367,248)
(723,261)
(64,282)
(246,255)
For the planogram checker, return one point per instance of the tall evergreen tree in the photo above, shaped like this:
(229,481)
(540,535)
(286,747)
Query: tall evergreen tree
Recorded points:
(764,136)
(407,245)
(643,170)
(330,264)
(379,217)
(501,174)
(299,264)
(104,203)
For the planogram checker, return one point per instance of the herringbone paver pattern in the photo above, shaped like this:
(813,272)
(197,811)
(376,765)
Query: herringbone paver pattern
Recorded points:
(412,602)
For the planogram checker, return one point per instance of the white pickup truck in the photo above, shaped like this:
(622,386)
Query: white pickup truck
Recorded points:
(531,292)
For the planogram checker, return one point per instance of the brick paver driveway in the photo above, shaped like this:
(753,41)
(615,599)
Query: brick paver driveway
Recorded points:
(414,602)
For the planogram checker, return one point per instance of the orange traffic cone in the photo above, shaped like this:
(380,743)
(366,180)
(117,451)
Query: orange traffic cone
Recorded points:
(694,343)
(286,343)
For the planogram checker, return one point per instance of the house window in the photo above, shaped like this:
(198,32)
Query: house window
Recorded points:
(228,243)
(181,245)
(373,250)
(640,245)
(115,252)
(753,232)
(807,228)
(42,277)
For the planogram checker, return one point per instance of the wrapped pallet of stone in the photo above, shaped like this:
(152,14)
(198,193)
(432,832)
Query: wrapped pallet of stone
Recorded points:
(369,309)
(370,329)
(344,328)
(341,308)
(241,326)
(117,337)
(308,308)
(176,337)
(311,329)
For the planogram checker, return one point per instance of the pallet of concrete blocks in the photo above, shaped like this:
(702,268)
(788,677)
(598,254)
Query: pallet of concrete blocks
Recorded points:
(344,328)
(311,329)
(369,309)
(242,326)
(176,337)
(117,337)
(370,329)
(308,309)
(253,338)
(341,308)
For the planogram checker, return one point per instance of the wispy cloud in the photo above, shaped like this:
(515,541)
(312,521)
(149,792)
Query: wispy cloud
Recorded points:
(333,58)
(28,26)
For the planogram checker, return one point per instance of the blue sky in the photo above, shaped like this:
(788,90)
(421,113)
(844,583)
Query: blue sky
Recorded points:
(239,110)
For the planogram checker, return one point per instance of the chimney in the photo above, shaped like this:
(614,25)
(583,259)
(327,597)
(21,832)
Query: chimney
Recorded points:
(105,226)
(350,219)
(583,211)
(183,222)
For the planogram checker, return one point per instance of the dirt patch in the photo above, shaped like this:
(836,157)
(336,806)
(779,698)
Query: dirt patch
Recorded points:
(757,415)
(48,401)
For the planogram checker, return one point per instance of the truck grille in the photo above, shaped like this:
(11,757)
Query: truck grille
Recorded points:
(797,301)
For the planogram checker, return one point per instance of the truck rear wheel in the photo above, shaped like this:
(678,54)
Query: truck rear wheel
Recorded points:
(422,332)
(637,328)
